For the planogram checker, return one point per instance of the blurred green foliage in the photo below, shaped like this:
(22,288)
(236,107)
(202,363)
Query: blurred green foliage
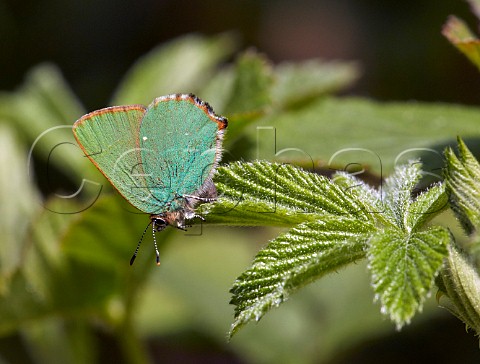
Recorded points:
(66,289)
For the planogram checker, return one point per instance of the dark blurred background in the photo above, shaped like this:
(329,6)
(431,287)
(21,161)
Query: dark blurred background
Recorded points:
(399,44)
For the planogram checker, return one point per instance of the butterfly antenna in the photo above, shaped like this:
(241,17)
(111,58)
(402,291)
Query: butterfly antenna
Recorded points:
(157,254)
(138,245)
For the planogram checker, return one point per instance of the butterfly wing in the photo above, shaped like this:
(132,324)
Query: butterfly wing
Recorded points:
(109,138)
(180,140)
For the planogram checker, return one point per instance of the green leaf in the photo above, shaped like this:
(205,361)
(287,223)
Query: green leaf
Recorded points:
(43,111)
(458,33)
(80,267)
(332,229)
(299,82)
(404,267)
(368,197)
(462,180)
(20,203)
(417,212)
(261,193)
(404,261)
(242,93)
(44,261)
(180,66)
(360,190)
(251,89)
(78,264)
(35,290)
(294,259)
(461,284)
(426,206)
(398,189)
(90,243)
(335,133)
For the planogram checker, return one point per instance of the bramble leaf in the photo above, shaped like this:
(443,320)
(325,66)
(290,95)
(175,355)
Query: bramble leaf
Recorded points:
(461,284)
(462,180)
(294,259)
(262,193)
(404,267)
(336,222)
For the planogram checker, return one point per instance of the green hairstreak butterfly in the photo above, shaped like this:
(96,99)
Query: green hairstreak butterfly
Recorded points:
(160,158)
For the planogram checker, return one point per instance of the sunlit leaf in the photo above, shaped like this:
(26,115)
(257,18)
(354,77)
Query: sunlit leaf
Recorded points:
(21,202)
(427,205)
(262,193)
(294,259)
(404,267)
(340,214)
(463,186)
(461,284)
(251,89)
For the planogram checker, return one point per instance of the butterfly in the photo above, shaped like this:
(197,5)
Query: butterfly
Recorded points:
(161,158)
